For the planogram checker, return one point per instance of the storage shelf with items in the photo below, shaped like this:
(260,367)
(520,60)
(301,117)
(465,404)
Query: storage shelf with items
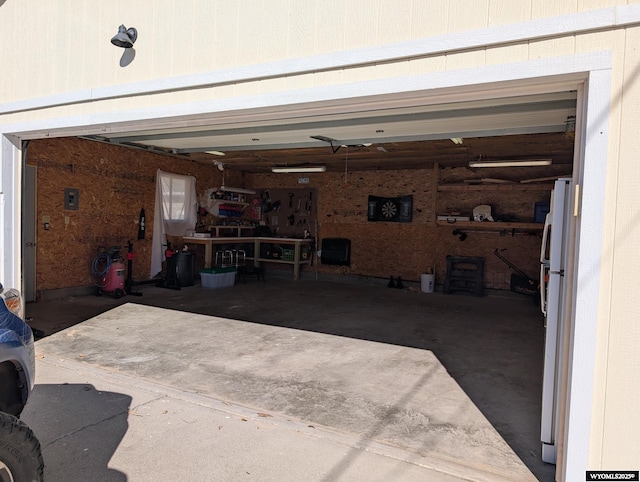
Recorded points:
(229,209)
(492,204)
(226,202)
(494,226)
(496,187)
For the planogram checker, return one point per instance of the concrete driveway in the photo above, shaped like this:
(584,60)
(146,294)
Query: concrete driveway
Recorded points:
(143,392)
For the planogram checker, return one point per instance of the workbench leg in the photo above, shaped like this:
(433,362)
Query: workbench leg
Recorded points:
(207,255)
(256,253)
(296,261)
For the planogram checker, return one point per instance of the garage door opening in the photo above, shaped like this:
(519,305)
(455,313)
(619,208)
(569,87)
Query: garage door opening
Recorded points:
(512,344)
(124,189)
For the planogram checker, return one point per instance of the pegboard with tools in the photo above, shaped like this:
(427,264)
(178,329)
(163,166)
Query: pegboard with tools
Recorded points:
(289,212)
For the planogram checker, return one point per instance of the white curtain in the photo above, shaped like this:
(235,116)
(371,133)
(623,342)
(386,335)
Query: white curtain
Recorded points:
(175,212)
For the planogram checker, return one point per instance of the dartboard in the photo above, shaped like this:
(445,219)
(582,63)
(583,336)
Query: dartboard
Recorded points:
(389,209)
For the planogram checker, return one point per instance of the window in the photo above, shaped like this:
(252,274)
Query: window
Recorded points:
(176,198)
(173,198)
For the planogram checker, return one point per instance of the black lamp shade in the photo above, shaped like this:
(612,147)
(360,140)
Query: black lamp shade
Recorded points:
(125,38)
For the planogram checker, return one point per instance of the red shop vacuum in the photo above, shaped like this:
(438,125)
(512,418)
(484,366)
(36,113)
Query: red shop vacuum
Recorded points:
(108,271)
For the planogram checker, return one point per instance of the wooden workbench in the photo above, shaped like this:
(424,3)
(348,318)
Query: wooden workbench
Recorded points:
(257,241)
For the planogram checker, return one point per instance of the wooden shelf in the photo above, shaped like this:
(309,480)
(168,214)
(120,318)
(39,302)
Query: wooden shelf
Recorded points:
(215,197)
(239,228)
(495,187)
(225,201)
(497,226)
(279,260)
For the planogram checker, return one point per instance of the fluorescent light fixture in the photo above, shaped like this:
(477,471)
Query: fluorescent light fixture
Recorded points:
(456,140)
(299,169)
(511,163)
(215,153)
(237,189)
(364,144)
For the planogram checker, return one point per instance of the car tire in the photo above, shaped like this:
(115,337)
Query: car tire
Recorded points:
(20,452)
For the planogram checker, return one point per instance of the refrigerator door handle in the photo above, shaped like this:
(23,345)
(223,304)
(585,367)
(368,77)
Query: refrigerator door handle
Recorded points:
(544,264)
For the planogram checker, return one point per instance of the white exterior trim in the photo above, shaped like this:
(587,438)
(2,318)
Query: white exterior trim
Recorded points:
(583,22)
(439,87)
(582,348)
(10,212)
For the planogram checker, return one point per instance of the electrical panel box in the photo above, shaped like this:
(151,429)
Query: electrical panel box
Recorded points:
(71,199)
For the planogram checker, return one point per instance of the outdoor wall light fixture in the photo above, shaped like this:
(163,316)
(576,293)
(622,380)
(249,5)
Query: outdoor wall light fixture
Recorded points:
(125,37)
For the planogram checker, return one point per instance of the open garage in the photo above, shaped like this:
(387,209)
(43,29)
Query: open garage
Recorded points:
(486,332)
(408,176)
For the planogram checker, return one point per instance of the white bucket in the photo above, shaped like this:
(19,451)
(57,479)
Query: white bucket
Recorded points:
(427,282)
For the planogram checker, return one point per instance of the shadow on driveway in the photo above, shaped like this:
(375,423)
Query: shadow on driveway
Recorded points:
(78,427)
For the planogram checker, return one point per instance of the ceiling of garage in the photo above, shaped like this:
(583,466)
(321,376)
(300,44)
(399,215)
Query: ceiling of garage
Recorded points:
(522,127)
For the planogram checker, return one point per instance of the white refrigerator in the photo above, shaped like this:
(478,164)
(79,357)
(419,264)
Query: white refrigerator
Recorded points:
(553,260)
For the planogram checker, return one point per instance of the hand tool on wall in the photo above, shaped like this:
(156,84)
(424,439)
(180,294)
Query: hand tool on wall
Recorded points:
(290,199)
(291,221)
(307,205)
(461,234)
(141,224)
(266,202)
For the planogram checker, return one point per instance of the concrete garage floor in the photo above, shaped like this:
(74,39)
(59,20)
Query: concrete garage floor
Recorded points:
(450,383)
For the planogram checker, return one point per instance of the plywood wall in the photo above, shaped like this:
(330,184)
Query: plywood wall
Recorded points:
(383,249)
(114,184)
